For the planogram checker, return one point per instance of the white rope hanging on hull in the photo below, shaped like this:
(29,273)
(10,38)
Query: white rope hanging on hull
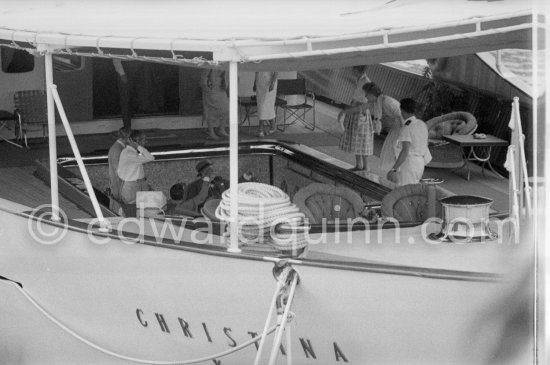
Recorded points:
(119,355)
(266,215)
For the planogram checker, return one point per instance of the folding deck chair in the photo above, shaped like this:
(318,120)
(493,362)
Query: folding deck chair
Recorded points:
(31,111)
(5,118)
(293,113)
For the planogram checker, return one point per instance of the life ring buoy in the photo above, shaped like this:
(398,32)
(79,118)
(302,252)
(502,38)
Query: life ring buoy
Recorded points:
(468,127)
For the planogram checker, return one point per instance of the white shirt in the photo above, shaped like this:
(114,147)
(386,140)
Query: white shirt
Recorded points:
(114,158)
(130,165)
(416,133)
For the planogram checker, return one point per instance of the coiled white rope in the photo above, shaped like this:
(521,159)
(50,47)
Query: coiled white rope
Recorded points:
(134,359)
(266,215)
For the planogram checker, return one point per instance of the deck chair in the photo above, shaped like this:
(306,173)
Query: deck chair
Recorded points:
(31,110)
(409,203)
(293,113)
(6,118)
(318,201)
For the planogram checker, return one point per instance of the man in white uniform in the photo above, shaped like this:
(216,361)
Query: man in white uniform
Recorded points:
(411,148)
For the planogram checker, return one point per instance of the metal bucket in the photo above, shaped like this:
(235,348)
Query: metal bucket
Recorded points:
(465,219)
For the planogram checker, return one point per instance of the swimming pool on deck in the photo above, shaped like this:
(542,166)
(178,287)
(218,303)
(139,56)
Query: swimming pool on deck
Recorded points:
(288,166)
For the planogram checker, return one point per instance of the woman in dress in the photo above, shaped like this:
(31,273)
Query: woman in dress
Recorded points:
(265,86)
(215,102)
(358,124)
(386,111)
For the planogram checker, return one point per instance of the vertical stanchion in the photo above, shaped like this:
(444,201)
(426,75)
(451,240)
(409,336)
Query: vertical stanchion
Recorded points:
(52,137)
(233,155)
(538,333)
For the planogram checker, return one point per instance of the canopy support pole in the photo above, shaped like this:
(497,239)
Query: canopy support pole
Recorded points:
(52,137)
(103,225)
(234,155)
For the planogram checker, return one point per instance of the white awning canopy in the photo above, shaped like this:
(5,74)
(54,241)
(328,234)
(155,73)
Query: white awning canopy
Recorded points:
(268,35)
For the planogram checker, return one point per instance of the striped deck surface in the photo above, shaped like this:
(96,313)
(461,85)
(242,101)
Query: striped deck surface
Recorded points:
(19,185)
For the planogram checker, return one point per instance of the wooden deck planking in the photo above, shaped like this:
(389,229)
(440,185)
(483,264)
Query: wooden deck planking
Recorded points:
(19,185)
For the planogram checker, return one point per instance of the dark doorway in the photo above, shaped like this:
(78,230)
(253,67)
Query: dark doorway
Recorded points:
(154,88)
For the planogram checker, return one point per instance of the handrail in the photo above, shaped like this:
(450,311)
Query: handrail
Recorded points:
(104,226)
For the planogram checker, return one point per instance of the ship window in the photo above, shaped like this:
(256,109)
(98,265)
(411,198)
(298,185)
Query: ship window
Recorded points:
(16,60)
(67,63)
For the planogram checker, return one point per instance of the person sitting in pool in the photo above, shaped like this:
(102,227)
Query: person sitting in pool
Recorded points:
(180,204)
(198,190)
(217,187)
(247,177)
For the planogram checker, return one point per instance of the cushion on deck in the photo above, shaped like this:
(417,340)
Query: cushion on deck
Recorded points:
(409,203)
(318,201)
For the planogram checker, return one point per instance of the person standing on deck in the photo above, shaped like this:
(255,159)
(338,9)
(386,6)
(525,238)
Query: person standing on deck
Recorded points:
(411,148)
(358,137)
(124,94)
(386,111)
(130,167)
(265,87)
(114,158)
(215,102)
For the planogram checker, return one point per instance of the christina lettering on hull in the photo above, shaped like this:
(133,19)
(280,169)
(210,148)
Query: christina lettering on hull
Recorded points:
(200,331)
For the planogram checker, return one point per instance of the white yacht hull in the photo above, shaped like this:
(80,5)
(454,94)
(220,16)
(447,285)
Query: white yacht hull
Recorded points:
(161,304)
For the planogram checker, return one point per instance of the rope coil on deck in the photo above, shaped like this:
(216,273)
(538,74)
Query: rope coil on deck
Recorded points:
(266,215)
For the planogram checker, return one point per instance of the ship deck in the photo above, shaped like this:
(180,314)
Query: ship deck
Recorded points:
(19,185)
(17,166)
